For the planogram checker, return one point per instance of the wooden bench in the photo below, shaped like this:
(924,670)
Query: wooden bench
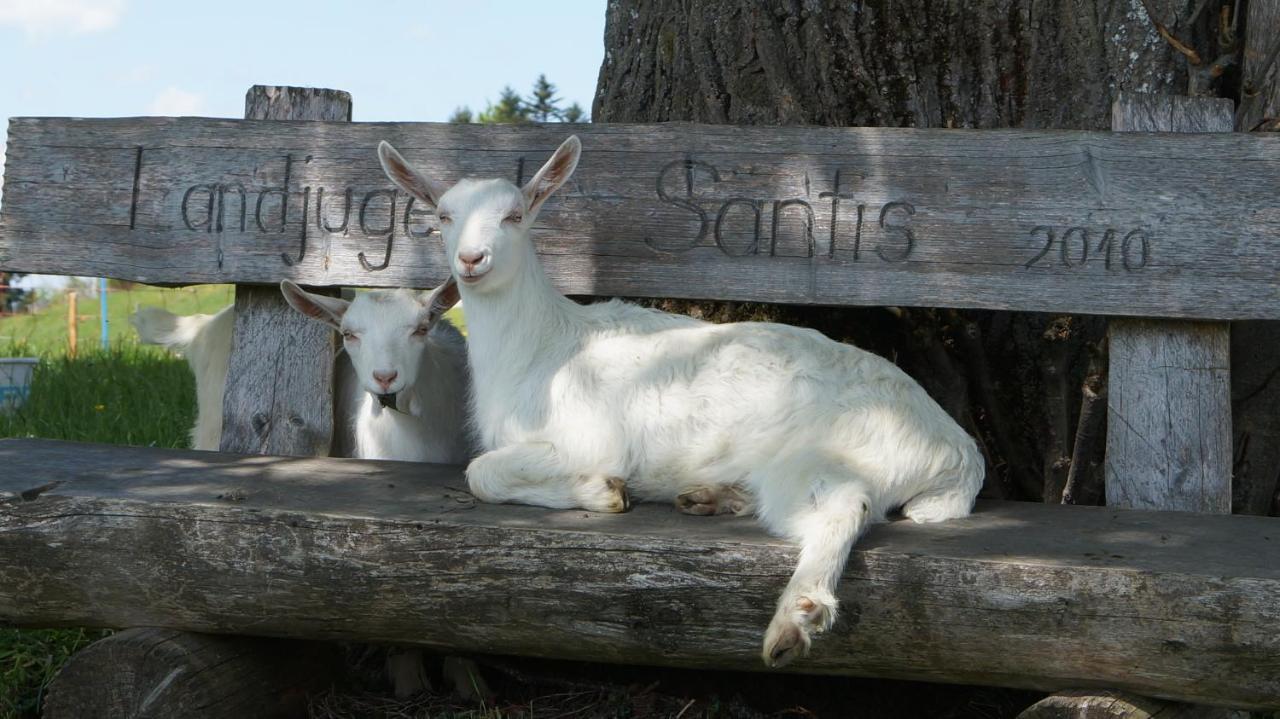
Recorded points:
(1172,234)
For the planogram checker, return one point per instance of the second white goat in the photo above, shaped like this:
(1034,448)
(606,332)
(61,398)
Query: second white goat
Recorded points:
(577,405)
(399,355)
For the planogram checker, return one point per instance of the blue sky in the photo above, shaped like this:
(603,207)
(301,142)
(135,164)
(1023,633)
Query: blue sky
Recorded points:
(399,60)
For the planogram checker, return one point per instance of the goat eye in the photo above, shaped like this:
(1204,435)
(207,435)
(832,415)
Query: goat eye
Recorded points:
(516,217)
(446,218)
(349,336)
(420,331)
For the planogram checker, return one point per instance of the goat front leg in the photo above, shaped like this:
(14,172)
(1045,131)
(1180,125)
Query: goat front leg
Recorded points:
(827,530)
(532,473)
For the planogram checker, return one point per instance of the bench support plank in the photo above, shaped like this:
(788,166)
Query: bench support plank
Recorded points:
(1169,394)
(279,393)
(1175,605)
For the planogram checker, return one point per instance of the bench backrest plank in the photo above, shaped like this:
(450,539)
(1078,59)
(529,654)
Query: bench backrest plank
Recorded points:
(1160,225)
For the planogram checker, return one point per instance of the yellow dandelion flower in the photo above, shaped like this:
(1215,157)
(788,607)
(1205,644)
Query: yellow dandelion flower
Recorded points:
(99,407)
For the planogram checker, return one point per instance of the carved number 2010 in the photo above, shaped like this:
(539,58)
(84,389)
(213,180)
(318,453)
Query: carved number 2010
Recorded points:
(1075,247)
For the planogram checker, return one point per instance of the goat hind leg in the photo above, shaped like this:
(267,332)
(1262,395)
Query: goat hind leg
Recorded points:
(532,473)
(828,530)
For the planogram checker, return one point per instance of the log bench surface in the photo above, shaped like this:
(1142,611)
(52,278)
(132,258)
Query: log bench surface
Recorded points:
(1174,605)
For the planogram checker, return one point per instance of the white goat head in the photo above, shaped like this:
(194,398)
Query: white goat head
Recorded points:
(383,331)
(485,223)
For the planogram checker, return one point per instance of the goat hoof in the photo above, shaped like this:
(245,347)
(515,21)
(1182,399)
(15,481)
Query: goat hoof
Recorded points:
(618,488)
(603,494)
(707,501)
(701,502)
(784,642)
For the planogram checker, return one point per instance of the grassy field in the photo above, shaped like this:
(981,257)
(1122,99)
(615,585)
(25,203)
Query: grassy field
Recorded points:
(45,333)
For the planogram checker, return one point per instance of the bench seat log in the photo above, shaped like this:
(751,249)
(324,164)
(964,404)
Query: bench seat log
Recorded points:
(1175,605)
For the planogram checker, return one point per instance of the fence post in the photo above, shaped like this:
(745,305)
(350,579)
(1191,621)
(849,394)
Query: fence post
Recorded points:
(102,310)
(71,324)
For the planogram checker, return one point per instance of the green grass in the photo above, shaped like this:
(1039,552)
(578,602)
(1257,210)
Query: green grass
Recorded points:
(129,394)
(28,661)
(46,332)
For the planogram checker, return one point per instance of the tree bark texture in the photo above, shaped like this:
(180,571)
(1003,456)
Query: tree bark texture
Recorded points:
(1028,386)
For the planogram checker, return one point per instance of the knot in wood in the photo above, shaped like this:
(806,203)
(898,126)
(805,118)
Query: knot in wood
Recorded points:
(261,423)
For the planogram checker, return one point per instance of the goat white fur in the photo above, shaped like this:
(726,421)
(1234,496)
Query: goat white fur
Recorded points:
(396,334)
(205,340)
(397,343)
(817,437)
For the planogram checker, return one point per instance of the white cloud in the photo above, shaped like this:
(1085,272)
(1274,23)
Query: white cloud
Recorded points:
(176,101)
(61,17)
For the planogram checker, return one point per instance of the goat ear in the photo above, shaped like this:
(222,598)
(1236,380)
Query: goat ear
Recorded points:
(328,310)
(441,299)
(407,178)
(553,174)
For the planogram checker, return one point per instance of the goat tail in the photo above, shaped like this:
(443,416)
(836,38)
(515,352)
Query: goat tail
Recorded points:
(161,327)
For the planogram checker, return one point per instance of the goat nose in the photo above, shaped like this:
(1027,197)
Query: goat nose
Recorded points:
(470,259)
(384,379)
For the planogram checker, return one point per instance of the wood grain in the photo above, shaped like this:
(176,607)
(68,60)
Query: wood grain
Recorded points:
(1169,416)
(1169,396)
(160,673)
(279,391)
(1175,605)
(1260,86)
(1096,704)
(1062,221)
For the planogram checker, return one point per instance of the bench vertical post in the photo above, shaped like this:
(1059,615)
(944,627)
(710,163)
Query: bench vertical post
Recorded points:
(1169,407)
(279,393)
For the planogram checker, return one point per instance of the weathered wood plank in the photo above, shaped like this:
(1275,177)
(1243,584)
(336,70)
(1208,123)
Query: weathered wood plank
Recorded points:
(279,392)
(1182,606)
(1169,400)
(1260,86)
(1141,224)
(160,673)
(1169,416)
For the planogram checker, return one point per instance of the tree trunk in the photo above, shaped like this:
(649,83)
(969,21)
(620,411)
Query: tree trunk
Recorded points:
(1255,346)
(1015,381)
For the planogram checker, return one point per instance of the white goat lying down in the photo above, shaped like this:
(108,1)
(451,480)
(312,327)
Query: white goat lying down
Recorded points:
(579,405)
(399,352)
